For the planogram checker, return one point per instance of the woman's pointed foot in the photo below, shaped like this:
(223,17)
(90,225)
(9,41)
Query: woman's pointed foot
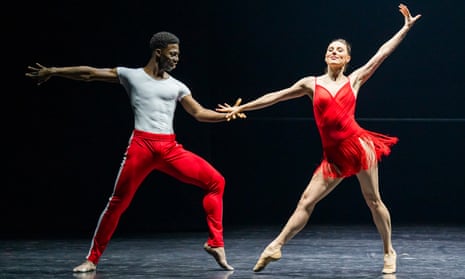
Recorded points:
(390,261)
(266,257)
(219,255)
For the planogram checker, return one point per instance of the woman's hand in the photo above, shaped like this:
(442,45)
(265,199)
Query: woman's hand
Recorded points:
(409,20)
(232,111)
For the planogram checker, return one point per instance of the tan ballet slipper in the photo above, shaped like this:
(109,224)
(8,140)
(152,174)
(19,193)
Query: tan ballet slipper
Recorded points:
(265,259)
(219,255)
(86,266)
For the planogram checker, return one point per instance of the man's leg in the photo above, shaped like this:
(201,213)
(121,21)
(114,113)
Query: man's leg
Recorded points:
(192,169)
(134,168)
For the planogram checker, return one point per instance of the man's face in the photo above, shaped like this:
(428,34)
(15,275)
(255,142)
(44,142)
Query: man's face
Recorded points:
(169,57)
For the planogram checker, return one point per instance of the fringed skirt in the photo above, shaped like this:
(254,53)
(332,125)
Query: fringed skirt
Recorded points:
(356,153)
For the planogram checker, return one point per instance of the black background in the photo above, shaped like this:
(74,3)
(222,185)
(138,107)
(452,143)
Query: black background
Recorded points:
(65,139)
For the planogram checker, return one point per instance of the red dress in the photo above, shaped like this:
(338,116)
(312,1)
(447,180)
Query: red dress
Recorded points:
(343,152)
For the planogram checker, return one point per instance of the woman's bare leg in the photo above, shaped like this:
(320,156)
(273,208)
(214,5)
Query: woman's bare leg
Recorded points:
(316,190)
(369,184)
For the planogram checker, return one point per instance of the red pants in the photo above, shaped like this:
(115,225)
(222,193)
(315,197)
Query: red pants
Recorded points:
(147,152)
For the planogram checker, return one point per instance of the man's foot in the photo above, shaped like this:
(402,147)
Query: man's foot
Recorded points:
(390,262)
(86,266)
(269,255)
(219,255)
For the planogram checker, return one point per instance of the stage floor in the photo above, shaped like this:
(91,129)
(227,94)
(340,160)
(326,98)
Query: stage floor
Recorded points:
(319,251)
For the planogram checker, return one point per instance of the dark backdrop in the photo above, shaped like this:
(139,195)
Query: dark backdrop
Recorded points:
(65,139)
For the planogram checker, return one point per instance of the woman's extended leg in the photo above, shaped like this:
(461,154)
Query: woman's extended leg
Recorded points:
(316,190)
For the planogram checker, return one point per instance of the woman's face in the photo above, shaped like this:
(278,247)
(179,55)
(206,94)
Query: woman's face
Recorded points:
(337,54)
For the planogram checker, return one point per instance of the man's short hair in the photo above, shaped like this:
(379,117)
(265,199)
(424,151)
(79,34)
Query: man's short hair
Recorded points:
(162,40)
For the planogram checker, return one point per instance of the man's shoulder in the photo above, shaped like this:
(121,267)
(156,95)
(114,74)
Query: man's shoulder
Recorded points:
(127,71)
(125,68)
(183,87)
(176,80)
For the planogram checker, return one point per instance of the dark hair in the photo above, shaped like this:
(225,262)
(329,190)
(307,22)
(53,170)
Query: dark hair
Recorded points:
(162,40)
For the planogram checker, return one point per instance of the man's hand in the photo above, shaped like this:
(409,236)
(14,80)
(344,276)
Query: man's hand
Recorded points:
(39,73)
(233,112)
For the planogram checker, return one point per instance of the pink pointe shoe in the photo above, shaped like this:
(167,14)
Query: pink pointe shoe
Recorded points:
(264,260)
(390,263)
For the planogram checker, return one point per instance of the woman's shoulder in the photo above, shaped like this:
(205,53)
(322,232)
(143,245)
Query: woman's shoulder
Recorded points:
(307,80)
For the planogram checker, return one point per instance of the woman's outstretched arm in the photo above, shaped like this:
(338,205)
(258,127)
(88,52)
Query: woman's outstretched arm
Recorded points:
(298,89)
(362,74)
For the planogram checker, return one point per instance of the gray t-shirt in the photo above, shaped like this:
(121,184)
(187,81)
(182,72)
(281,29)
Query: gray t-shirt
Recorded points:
(153,101)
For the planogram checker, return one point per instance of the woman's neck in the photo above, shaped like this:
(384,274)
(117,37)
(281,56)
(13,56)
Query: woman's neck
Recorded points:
(335,74)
